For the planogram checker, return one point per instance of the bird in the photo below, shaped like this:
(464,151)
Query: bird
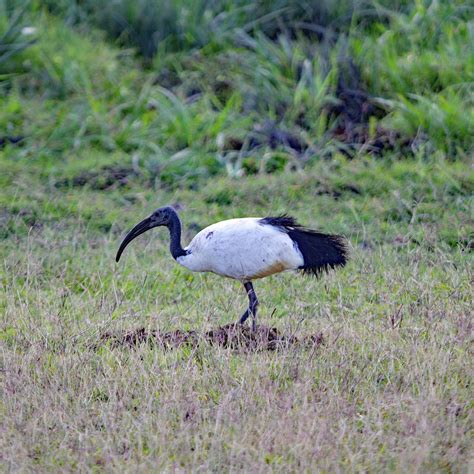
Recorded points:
(246,249)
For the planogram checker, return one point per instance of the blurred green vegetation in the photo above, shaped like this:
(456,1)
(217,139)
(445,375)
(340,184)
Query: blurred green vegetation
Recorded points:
(186,90)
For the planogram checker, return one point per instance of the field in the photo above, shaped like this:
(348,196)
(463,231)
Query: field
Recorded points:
(356,118)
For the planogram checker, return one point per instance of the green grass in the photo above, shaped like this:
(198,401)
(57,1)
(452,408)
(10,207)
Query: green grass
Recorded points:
(377,127)
(389,390)
(189,107)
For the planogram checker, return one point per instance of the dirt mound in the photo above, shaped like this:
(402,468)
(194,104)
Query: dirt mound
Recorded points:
(107,177)
(234,336)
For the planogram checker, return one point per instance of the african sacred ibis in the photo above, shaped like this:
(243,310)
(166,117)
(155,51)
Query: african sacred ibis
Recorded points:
(248,248)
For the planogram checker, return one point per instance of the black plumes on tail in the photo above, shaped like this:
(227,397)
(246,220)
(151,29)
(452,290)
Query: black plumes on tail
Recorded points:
(321,252)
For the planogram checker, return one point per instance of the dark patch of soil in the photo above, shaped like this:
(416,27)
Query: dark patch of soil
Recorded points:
(268,134)
(13,140)
(234,336)
(337,192)
(166,78)
(357,137)
(104,178)
(353,110)
(276,137)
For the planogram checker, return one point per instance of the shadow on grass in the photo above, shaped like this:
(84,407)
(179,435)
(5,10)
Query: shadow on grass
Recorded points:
(233,336)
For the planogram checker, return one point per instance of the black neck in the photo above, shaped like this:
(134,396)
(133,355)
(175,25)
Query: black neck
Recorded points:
(174,227)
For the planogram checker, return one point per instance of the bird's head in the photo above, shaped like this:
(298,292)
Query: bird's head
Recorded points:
(161,217)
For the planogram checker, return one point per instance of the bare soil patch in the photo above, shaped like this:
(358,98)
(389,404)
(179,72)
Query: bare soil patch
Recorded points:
(234,336)
(107,177)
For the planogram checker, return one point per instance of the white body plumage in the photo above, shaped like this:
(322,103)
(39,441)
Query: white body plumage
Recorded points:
(243,249)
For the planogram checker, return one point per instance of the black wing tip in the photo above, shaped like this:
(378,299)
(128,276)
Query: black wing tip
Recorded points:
(283,220)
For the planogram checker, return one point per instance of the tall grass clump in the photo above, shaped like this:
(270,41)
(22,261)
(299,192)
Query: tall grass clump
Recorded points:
(161,26)
(152,26)
(423,63)
(16,35)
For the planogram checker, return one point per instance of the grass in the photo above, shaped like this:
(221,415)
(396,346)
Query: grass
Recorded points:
(354,117)
(389,390)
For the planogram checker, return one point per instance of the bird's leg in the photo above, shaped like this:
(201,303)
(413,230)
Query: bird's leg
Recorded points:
(244,316)
(253,303)
(247,311)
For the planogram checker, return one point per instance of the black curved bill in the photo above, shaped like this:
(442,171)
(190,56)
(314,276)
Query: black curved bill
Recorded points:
(139,229)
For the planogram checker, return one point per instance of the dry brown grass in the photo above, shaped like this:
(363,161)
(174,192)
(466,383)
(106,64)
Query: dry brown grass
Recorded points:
(390,388)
